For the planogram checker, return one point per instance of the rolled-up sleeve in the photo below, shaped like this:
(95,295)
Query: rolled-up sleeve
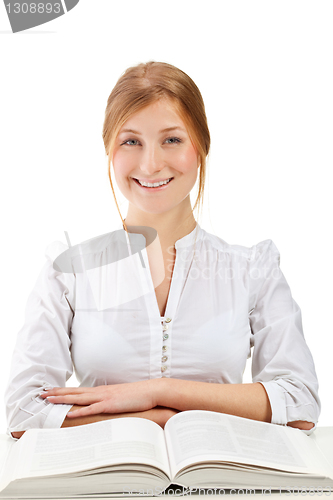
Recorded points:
(41,357)
(281,361)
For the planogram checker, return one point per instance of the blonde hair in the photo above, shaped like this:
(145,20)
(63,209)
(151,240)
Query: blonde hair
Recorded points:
(142,85)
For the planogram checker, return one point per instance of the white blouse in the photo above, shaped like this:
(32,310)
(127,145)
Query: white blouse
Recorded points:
(99,314)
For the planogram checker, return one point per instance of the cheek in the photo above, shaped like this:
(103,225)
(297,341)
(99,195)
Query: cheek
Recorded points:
(188,160)
(121,166)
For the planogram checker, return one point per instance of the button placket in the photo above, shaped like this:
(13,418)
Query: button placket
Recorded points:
(165,337)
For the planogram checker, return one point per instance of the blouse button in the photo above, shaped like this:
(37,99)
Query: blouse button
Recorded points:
(165,327)
(164,348)
(163,368)
(168,320)
(164,359)
(165,336)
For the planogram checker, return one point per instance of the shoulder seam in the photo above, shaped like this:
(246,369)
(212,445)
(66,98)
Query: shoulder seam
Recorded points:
(264,243)
(242,250)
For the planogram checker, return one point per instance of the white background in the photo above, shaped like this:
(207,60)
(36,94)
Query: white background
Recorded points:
(265,72)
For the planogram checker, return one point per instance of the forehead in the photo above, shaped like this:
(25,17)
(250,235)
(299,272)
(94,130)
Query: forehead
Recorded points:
(163,111)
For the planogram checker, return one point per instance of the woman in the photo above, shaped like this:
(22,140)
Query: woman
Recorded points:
(184,336)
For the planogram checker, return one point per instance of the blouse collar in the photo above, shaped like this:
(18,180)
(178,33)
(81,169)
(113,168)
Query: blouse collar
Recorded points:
(187,240)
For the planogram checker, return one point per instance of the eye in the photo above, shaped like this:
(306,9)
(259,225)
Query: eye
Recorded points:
(130,142)
(173,140)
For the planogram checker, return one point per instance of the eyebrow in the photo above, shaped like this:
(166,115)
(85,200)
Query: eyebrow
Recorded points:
(169,129)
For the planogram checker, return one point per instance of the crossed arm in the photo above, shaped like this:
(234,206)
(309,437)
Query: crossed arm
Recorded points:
(159,399)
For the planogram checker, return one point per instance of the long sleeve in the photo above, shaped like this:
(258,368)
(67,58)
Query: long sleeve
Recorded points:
(282,361)
(42,356)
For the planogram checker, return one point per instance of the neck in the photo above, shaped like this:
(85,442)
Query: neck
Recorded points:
(170,226)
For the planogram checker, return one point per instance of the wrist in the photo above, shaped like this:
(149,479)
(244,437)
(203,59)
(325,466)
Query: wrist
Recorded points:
(159,387)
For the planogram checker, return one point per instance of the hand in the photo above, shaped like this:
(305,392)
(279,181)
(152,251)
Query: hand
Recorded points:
(301,424)
(117,398)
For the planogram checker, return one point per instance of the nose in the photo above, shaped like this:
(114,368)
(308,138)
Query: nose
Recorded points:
(151,160)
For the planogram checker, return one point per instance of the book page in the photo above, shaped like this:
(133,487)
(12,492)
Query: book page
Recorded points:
(6,444)
(196,436)
(323,438)
(128,440)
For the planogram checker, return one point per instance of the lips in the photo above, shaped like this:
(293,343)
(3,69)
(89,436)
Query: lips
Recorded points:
(165,181)
(152,188)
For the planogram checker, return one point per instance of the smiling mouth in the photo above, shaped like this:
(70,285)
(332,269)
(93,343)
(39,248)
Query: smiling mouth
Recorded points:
(153,185)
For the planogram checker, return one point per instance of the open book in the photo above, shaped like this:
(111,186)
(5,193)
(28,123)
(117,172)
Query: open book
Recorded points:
(129,456)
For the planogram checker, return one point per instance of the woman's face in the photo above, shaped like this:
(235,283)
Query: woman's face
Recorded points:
(152,146)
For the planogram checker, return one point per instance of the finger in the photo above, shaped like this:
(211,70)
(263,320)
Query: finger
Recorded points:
(93,409)
(61,391)
(79,399)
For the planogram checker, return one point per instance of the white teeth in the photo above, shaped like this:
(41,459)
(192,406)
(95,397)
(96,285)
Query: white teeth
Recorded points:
(156,184)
